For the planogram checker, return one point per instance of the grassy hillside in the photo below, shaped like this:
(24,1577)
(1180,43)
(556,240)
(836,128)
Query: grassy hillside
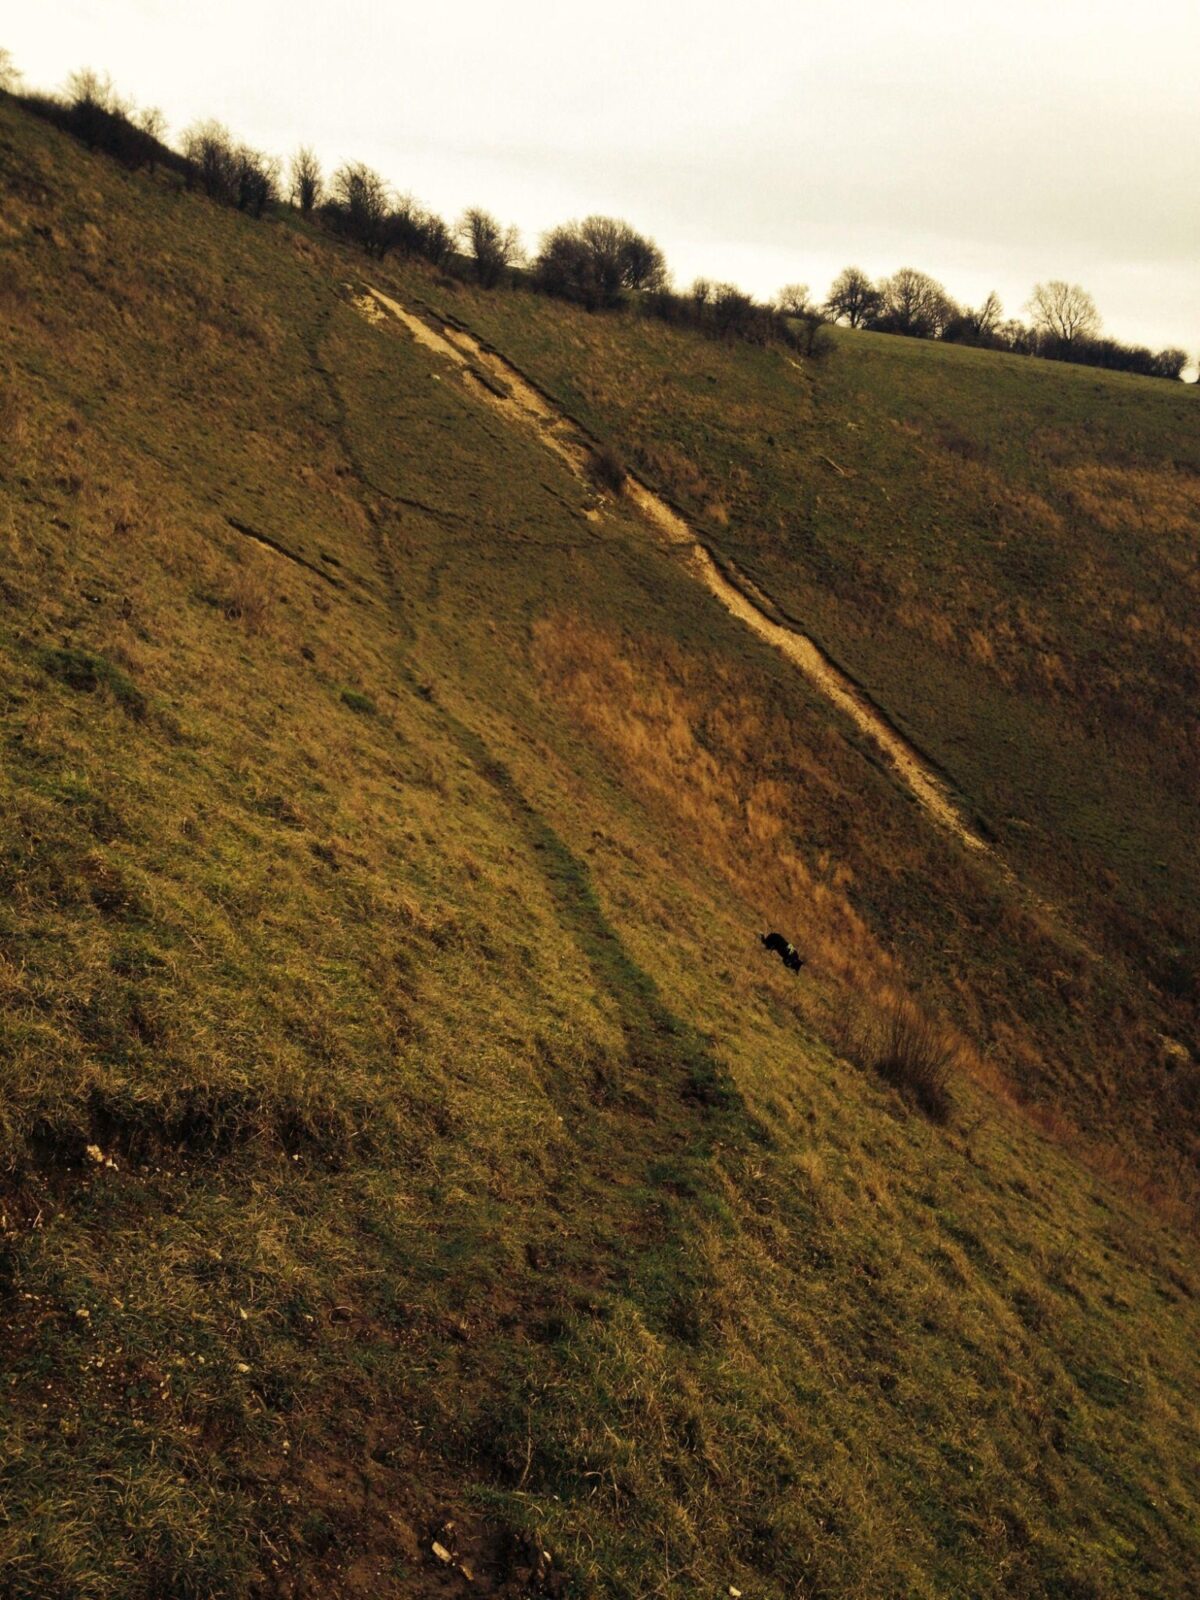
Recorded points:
(1002,550)
(401,1125)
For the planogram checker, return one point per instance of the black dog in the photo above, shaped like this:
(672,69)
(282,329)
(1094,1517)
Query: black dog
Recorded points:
(784,949)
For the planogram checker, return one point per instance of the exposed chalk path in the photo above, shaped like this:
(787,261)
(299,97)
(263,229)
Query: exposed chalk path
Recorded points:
(516,398)
(817,667)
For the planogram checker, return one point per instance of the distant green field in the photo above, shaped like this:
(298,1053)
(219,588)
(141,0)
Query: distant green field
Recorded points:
(401,1124)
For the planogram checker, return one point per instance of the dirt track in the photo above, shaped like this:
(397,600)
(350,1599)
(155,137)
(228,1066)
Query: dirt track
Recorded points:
(517,399)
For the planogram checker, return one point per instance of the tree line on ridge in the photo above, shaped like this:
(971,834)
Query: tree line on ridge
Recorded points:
(599,263)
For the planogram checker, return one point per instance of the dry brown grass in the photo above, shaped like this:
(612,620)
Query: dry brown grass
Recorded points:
(887,1032)
(249,598)
(14,425)
(1135,501)
(705,751)
(126,513)
(675,472)
(708,750)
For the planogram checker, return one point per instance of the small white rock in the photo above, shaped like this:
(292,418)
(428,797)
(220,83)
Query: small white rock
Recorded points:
(441,1552)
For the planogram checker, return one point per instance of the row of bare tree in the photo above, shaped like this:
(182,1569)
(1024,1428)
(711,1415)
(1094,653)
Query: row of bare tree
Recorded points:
(598,263)
(1064,323)
(99,117)
(229,172)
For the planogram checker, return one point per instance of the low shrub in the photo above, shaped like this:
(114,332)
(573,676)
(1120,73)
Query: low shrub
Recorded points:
(918,1055)
(608,470)
(899,1041)
(723,311)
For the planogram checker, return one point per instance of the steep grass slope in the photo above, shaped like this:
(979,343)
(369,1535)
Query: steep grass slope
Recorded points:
(1003,552)
(401,1124)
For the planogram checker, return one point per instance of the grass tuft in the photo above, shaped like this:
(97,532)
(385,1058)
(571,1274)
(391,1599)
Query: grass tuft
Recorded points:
(919,1056)
(248,600)
(88,673)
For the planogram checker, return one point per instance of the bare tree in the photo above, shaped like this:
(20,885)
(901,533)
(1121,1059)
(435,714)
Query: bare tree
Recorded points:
(621,258)
(806,319)
(403,228)
(492,248)
(971,326)
(10,77)
(793,300)
(1064,311)
(104,120)
(642,264)
(1016,336)
(852,295)
(211,160)
(564,267)
(151,123)
(230,173)
(594,260)
(361,206)
(306,180)
(436,238)
(913,303)
(256,180)
(94,105)
(733,309)
(1169,363)
(986,320)
(602,239)
(413,231)
(90,88)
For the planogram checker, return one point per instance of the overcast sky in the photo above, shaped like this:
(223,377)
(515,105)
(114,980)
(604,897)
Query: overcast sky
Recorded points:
(990,144)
